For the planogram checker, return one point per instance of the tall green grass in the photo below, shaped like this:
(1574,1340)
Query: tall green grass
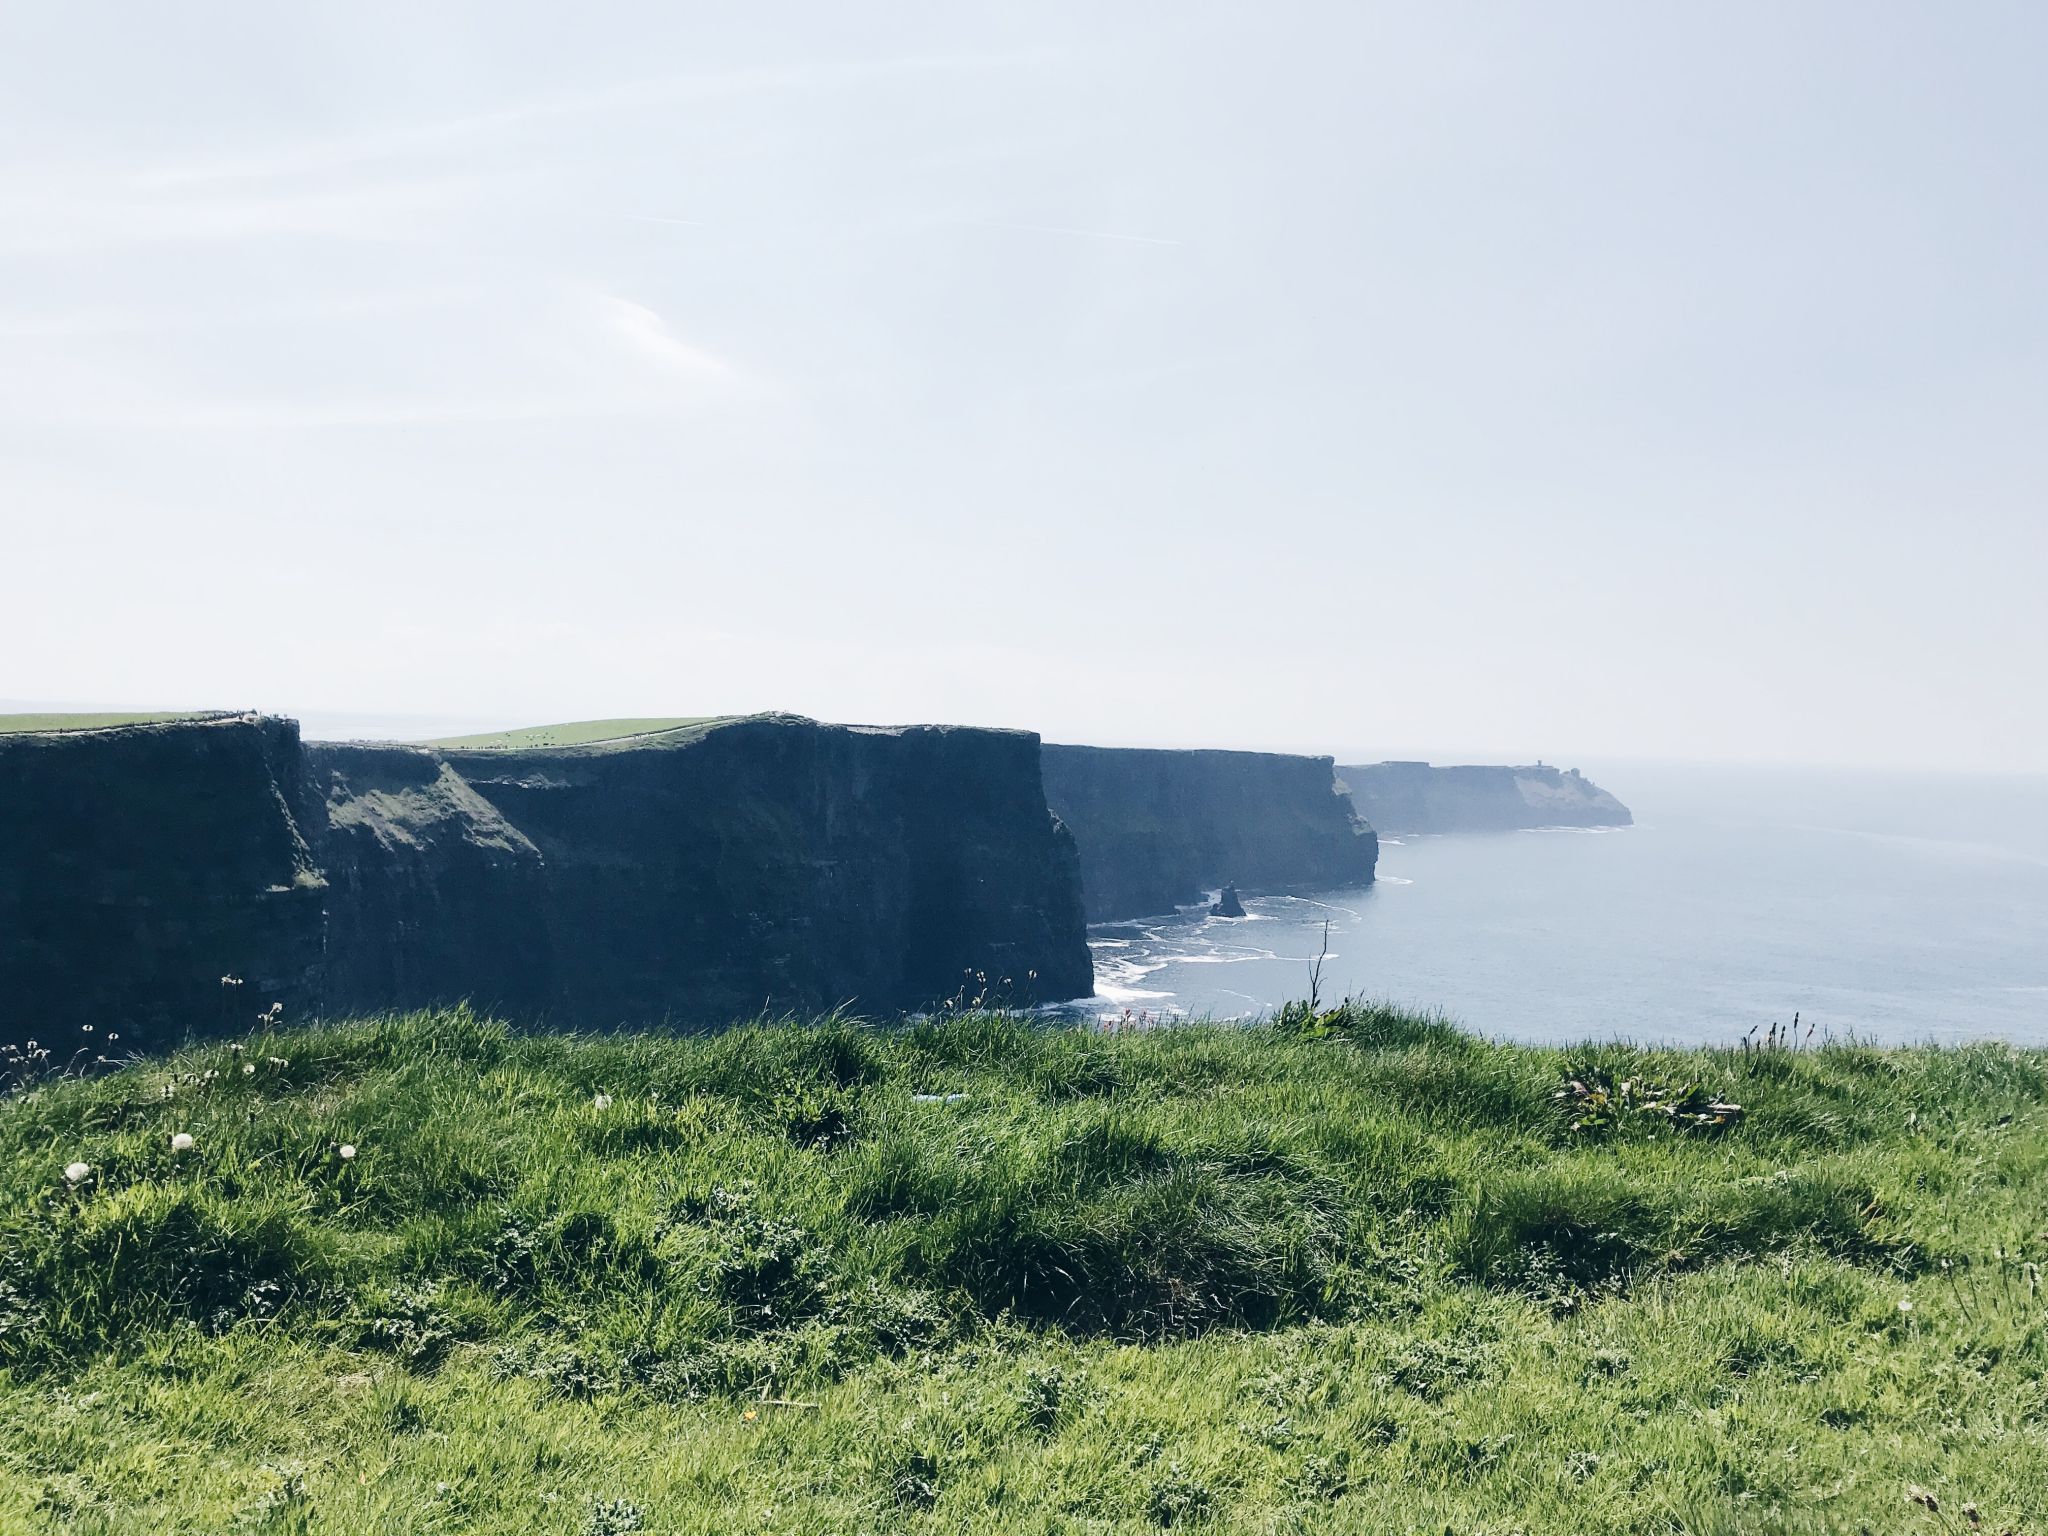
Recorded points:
(1349,1272)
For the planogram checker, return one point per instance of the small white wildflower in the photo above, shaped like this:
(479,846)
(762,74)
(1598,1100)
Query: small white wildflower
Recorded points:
(77,1173)
(602,1101)
(182,1142)
(348,1151)
(1905,1303)
(248,1069)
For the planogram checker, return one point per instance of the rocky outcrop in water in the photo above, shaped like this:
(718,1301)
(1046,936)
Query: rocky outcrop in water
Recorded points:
(141,864)
(1415,797)
(769,863)
(1157,828)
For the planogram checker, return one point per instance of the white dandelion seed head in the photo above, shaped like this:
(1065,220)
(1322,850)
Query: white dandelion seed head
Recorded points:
(77,1173)
(182,1142)
(348,1151)
(248,1069)
(602,1101)
(1905,1304)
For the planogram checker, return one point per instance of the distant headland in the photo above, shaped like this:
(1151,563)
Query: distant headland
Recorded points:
(1399,797)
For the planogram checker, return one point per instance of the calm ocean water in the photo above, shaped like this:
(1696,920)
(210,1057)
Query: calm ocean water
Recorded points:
(1890,908)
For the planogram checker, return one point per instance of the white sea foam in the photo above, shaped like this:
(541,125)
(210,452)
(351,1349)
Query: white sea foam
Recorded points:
(1220,957)
(1118,979)
(1113,994)
(1324,906)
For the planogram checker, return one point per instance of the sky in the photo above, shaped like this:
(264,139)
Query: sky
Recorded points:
(1514,380)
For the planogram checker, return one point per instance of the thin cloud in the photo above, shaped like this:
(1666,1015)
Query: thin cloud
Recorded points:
(45,218)
(565,355)
(648,334)
(239,415)
(347,151)
(250,314)
(1065,229)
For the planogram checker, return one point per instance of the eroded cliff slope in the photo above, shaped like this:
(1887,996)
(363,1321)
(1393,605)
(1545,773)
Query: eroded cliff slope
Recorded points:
(432,896)
(1156,828)
(1416,797)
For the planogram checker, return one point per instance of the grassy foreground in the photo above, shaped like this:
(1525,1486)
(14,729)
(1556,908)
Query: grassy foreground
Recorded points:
(1351,1274)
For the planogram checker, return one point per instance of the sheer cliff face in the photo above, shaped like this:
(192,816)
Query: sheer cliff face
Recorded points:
(141,864)
(711,872)
(1415,797)
(1157,828)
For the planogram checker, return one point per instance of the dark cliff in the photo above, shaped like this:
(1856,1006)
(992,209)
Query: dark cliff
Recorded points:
(432,896)
(1415,797)
(140,864)
(774,862)
(1156,828)
(695,874)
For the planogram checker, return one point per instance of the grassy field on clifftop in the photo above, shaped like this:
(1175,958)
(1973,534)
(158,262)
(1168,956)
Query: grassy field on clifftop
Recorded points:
(1358,1274)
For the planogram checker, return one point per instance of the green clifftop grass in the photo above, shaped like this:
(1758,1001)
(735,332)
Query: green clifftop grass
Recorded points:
(1361,1274)
(72,721)
(576,733)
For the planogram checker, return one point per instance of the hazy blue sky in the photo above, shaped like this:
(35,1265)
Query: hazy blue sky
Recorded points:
(1529,379)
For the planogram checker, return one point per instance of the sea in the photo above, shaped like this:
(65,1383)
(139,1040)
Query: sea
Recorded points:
(1889,908)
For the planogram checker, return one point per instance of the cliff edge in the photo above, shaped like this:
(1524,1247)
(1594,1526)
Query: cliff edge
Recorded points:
(698,872)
